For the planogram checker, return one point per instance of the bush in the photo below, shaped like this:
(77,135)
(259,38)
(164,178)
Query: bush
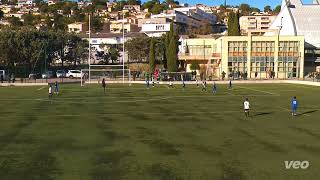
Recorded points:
(194,66)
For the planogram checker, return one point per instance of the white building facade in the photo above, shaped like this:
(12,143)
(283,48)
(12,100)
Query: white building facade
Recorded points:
(298,19)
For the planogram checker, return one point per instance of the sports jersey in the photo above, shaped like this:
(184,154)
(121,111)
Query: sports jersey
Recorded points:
(294,103)
(246,105)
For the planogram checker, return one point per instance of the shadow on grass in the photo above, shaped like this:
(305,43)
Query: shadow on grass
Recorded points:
(307,112)
(262,114)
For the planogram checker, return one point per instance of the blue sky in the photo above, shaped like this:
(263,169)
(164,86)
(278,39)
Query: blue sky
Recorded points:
(256,3)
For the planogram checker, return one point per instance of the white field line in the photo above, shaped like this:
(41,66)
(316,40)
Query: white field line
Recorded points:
(41,88)
(134,99)
(304,86)
(144,100)
(240,111)
(266,92)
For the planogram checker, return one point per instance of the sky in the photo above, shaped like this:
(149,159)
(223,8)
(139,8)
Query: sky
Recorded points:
(255,3)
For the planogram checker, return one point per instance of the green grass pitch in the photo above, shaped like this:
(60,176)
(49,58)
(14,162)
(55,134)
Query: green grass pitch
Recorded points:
(158,134)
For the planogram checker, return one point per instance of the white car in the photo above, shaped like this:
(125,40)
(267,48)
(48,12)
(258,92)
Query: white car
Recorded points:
(74,74)
(61,74)
(3,74)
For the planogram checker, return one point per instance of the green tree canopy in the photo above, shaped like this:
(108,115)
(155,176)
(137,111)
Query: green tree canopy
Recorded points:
(152,58)
(28,19)
(244,9)
(233,24)
(138,48)
(97,23)
(15,22)
(267,9)
(277,9)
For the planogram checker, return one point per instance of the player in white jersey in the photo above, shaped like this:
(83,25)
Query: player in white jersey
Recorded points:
(246,107)
(50,91)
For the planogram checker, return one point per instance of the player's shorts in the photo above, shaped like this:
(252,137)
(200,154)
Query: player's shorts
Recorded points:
(246,110)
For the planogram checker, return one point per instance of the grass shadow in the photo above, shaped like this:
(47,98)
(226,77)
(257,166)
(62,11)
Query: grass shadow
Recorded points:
(307,112)
(262,114)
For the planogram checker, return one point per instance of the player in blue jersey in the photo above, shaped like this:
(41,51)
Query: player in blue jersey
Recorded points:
(294,106)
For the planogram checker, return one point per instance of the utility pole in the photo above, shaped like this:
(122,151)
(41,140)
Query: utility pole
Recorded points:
(123,51)
(89,54)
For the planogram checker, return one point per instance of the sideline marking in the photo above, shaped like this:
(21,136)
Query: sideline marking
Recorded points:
(267,92)
(138,98)
(41,88)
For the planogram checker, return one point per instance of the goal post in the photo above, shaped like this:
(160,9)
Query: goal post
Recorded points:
(109,74)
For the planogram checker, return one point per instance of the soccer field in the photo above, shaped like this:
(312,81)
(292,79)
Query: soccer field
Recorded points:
(158,134)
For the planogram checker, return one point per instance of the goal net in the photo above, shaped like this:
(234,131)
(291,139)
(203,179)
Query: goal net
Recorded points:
(95,75)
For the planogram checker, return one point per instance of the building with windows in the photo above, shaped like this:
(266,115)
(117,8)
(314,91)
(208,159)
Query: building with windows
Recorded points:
(131,8)
(154,27)
(155,30)
(118,27)
(25,3)
(77,27)
(197,14)
(299,19)
(256,25)
(265,57)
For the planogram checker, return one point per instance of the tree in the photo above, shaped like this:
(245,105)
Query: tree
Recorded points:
(244,9)
(15,22)
(77,49)
(194,66)
(171,42)
(152,58)
(172,53)
(157,8)
(267,9)
(48,22)
(237,24)
(1,14)
(114,54)
(277,9)
(134,2)
(59,22)
(97,24)
(233,24)
(127,14)
(43,7)
(138,48)
(254,9)
(36,49)
(28,19)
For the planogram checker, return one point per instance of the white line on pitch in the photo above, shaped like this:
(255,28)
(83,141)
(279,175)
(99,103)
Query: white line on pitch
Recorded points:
(267,92)
(41,88)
